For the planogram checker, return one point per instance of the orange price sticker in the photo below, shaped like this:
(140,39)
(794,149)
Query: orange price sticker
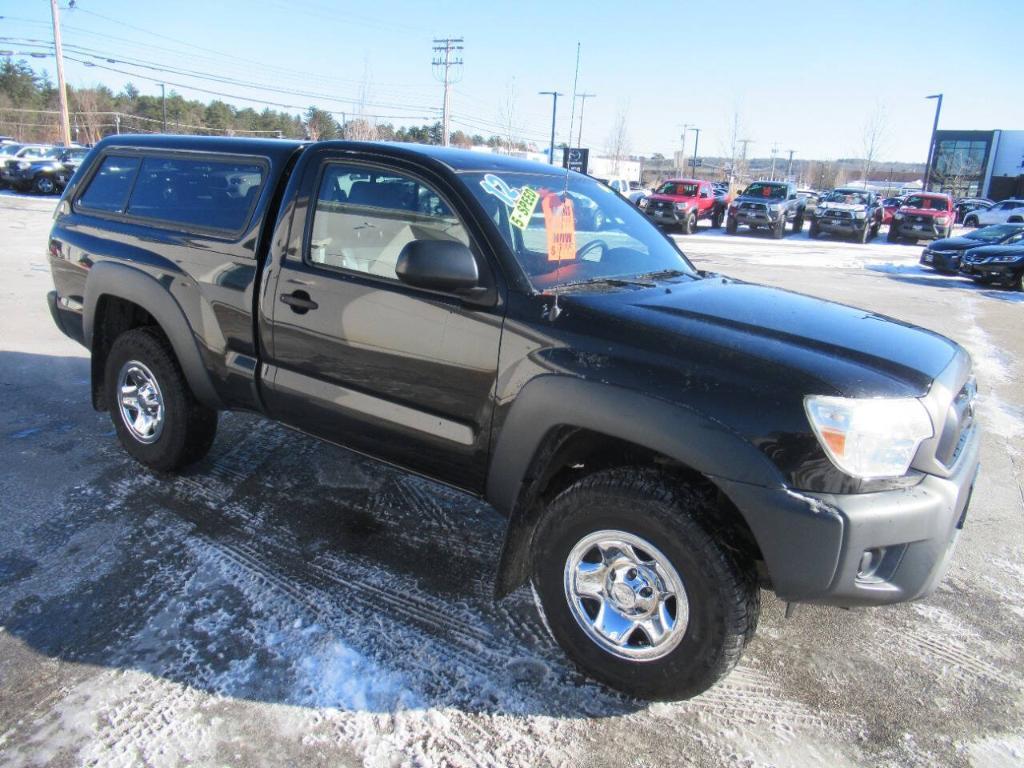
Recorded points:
(560,225)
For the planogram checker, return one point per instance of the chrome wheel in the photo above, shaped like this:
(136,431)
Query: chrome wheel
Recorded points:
(141,402)
(44,185)
(625,594)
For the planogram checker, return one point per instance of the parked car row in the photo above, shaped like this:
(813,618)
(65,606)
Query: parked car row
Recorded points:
(993,254)
(40,168)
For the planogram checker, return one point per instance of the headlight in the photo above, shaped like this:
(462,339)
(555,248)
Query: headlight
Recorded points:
(819,211)
(643,202)
(681,206)
(860,214)
(869,438)
(897,215)
(942,220)
(1004,259)
(24,166)
(775,207)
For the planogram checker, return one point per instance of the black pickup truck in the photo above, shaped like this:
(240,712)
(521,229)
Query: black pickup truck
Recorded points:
(664,442)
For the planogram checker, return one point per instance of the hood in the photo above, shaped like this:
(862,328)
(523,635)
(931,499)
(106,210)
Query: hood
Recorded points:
(777,334)
(955,244)
(672,198)
(985,251)
(843,206)
(759,199)
(923,212)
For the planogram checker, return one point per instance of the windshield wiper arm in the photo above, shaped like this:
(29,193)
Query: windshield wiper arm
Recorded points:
(617,281)
(665,273)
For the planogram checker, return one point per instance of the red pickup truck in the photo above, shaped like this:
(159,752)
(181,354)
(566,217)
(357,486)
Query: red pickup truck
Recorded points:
(925,216)
(682,203)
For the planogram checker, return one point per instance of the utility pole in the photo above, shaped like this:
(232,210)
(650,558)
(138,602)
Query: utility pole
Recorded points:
(931,144)
(163,104)
(65,123)
(696,141)
(789,167)
(443,62)
(744,142)
(682,150)
(554,111)
(775,151)
(583,101)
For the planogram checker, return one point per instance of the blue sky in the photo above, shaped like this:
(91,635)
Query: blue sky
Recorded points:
(804,76)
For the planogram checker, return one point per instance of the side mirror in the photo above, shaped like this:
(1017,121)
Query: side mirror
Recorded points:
(438,265)
(704,194)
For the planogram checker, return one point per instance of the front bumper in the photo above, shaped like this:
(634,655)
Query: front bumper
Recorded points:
(813,544)
(927,230)
(1000,271)
(666,217)
(840,225)
(755,218)
(943,261)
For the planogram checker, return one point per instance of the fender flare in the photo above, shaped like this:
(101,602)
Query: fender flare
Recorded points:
(550,402)
(131,284)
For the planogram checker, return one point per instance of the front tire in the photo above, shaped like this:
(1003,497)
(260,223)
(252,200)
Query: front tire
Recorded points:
(158,420)
(635,588)
(730,225)
(1017,282)
(779,229)
(689,224)
(798,223)
(44,185)
(971,221)
(716,219)
(813,231)
(893,235)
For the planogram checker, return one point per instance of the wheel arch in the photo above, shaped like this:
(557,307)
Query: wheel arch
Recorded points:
(118,298)
(561,429)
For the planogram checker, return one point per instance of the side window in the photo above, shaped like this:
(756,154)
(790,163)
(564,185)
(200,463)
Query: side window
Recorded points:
(364,218)
(206,194)
(108,190)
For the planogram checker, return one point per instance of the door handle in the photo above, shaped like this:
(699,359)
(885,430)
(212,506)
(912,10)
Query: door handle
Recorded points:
(299,301)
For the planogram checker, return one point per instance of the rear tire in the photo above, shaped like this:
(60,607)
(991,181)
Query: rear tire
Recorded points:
(157,418)
(590,561)
(813,231)
(1017,281)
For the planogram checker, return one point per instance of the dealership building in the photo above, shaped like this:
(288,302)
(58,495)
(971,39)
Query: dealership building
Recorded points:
(978,164)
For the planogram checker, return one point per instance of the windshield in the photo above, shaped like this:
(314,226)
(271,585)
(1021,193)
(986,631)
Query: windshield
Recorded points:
(597,236)
(765,189)
(850,197)
(996,233)
(926,203)
(679,188)
(9,149)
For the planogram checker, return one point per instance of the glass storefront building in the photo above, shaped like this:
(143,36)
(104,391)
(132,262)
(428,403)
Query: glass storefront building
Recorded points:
(978,164)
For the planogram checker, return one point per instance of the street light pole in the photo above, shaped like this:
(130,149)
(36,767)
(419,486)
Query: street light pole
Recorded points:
(583,102)
(931,144)
(554,111)
(696,141)
(682,150)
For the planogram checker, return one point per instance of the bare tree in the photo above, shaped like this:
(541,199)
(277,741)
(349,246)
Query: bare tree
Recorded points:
(873,138)
(360,127)
(733,149)
(618,140)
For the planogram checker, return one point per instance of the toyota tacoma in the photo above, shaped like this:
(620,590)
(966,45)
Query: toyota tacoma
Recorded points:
(769,205)
(664,442)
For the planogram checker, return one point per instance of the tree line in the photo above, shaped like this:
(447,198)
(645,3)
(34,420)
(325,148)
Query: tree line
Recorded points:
(29,104)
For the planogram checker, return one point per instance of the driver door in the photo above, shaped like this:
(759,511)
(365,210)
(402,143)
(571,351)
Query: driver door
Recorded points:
(358,357)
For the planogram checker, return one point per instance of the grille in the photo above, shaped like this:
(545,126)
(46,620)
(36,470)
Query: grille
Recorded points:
(957,428)
(757,207)
(846,215)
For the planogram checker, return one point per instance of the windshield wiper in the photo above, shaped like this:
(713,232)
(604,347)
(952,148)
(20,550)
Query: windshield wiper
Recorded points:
(664,274)
(616,281)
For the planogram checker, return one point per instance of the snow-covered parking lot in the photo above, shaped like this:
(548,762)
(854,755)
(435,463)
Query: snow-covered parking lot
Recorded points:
(289,603)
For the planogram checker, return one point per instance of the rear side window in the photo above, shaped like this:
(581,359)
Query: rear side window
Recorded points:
(205,194)
(109,188)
